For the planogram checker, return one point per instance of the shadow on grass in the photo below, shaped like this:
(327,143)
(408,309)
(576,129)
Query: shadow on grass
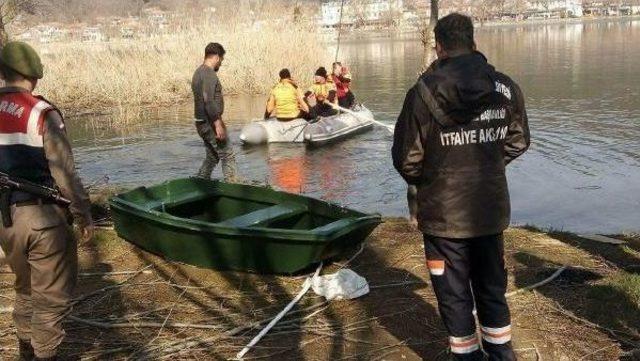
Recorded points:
(81,338)
(401,311)
(626,256)
(609,303)
(381,320)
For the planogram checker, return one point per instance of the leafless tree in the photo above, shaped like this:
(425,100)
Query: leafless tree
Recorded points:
(426,34)
(9,11)
(86,10)
(516,6)
(357,11)
(545,4)
(486,9)
(433,19)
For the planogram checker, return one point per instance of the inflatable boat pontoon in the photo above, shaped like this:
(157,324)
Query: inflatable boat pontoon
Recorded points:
(325,130)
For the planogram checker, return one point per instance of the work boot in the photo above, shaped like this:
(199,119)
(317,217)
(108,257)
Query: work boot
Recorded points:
(502,352)
(25,350)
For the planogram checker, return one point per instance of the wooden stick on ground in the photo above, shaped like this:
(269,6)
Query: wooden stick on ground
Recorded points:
(120,273)
(143,324)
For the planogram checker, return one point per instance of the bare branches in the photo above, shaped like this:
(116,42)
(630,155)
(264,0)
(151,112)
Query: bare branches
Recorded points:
(9,11)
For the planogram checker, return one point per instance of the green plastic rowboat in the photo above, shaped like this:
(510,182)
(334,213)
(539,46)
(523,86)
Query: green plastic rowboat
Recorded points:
(237,227)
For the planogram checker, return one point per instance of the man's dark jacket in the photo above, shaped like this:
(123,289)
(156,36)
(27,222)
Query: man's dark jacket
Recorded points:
(460,125)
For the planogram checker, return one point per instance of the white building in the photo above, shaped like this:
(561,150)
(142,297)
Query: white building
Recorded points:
(546,8)
(376,10)
(45,33)
(330,13)
(93,34)
(367,11)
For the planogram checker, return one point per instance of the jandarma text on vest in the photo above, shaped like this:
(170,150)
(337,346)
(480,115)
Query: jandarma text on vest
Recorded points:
(12,108)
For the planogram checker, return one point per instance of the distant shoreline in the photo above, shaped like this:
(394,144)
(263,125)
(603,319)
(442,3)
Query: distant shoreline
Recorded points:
(413,34)
(558,21)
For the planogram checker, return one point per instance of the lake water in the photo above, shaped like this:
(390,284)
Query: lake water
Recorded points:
(582,88)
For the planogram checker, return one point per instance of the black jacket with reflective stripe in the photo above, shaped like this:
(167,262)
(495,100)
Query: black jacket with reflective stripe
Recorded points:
(460,125)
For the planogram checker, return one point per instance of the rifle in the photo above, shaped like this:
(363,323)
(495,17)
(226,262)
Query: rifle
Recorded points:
(9,184)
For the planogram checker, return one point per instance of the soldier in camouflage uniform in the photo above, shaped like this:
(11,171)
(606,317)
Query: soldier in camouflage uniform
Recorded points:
(35,234)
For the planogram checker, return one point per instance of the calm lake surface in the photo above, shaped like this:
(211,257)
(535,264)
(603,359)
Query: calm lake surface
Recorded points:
(582,173)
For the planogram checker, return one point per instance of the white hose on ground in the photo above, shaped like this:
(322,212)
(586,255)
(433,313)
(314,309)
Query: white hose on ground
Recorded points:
(305,288)
(536,285)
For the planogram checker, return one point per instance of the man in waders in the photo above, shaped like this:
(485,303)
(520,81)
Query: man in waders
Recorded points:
(460,125)
(208,110)
(34,234)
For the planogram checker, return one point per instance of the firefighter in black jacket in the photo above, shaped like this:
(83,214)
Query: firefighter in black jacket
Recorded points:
(460,125)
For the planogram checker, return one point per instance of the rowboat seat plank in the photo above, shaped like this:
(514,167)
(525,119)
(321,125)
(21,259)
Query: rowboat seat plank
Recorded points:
(266,215)
(334,225)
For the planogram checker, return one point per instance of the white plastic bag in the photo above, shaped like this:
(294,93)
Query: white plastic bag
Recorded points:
(344,284)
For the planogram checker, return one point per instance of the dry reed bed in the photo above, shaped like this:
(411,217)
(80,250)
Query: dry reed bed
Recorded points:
(158,70)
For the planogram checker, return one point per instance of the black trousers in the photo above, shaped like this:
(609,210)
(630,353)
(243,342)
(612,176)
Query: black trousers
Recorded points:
(469,274)
(323,110)
(348,100)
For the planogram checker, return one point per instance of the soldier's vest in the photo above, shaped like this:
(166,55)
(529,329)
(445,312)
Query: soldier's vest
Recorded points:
(21,143)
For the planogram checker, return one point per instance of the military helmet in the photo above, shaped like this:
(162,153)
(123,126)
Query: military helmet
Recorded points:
(22,58)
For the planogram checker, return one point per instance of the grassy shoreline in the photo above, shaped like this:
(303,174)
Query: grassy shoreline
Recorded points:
(169,310)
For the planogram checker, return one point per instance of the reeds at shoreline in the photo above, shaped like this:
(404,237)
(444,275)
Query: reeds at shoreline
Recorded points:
(157,70)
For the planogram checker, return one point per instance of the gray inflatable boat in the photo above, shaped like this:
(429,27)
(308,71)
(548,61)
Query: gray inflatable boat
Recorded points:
(325,130)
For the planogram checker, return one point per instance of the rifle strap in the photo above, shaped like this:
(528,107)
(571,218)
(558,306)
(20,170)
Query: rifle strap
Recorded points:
(5,206)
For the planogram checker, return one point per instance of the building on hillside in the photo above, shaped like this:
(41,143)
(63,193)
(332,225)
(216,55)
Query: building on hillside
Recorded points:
(555,8)
(594,8)
(332,13)
(610,8)
(93,34)
(131,28)
(156,18)
(420,8)
(623,9)
(360,12)
(378,10)
(411,18)
(45,33)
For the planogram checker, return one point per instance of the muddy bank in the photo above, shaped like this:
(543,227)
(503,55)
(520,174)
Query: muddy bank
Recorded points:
(161,310)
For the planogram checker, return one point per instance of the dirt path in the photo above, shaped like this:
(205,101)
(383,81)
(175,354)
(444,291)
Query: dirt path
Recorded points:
(587,313)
